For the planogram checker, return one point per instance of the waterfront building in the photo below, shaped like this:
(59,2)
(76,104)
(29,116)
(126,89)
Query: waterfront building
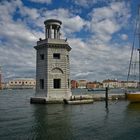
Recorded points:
(92,85)
(52,66)
(110,83)
(5,85)
(22,83)
(74,84)
(119,84)
(129,84)
(82,83)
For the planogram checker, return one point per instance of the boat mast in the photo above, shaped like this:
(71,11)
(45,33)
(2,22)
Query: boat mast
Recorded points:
(139,43)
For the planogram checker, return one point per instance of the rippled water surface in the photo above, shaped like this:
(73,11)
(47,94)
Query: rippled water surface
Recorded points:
(20,120)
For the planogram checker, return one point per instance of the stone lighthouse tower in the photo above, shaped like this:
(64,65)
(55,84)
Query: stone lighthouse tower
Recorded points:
(52,64)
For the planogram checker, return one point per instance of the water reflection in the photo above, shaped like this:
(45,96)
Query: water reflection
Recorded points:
(133,107)
(51,122)
(131,123)
(21,120)
(61,122)
(133,111)
(76,122)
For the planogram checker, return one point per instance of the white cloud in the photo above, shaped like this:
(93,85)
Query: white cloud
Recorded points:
(17,61)
(13,29)
(124,36)
(32,13)
(18,31)
(71,23)
(74,24)
(42,1)
(17,55)
(16,52)
(87,3)
(98,61)
(83,3)
(93,58)
(108,20)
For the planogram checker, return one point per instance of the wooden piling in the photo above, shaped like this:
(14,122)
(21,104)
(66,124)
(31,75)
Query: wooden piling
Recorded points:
(106,97)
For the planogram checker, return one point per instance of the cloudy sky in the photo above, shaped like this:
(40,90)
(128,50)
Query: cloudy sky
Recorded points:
(100,33)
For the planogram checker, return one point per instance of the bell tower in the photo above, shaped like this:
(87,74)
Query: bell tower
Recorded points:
(52,64)
(52,28)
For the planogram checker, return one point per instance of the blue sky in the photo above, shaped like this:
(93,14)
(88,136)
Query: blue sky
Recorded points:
(100,33)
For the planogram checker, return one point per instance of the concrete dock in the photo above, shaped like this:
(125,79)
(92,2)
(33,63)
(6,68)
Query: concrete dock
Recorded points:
(78,99)
(76,102)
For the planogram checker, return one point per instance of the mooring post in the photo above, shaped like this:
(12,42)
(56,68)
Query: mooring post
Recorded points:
(106,97)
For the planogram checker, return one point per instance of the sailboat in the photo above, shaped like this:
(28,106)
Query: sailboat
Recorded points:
(135,96)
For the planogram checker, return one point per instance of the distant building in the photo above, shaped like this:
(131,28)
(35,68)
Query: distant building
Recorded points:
(23,83)
(125,84)
(95,84)
(74,84)
(4,85)
(82,83)
(110,83)
(119,84)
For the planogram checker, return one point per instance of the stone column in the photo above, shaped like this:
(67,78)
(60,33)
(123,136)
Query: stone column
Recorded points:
(58,33)
(46,33)
(50,31)
(55,33)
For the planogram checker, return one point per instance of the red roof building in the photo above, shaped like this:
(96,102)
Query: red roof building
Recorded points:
(74,84)
(95,84)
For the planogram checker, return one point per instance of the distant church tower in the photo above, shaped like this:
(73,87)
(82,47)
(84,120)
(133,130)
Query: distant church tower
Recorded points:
(52,64)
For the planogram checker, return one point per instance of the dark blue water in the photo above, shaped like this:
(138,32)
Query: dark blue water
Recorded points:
(20,120)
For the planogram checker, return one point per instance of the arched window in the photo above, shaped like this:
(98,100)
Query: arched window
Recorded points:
(57,71)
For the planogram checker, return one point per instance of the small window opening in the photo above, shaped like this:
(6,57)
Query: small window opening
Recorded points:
(42,56)
(56,55)
(67,57)
(41,83)
(57,83)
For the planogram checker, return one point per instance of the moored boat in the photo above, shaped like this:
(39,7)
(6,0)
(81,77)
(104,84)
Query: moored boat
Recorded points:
(135,96)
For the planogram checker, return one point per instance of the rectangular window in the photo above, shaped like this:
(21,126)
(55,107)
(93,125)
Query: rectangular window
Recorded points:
(57,83)
(56,55)
(41,56)
(41,83)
